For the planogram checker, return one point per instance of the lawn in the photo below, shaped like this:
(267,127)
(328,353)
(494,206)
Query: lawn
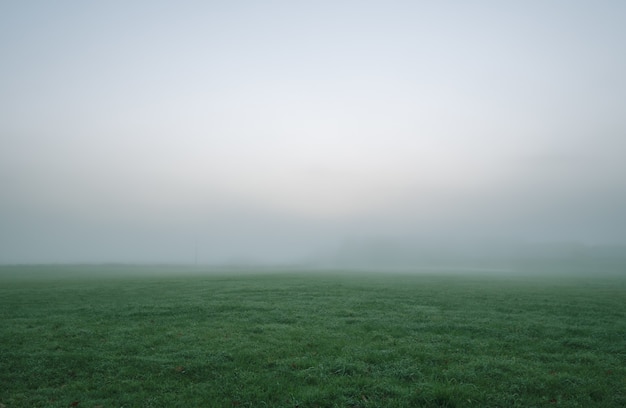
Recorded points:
(123,336)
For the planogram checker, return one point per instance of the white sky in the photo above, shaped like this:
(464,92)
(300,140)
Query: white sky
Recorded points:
(129,130)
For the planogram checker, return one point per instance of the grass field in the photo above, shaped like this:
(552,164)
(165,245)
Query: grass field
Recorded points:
(140,337)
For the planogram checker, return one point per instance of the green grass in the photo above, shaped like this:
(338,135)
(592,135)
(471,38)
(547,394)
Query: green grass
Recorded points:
(74,337)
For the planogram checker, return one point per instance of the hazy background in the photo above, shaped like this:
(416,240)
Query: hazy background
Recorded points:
(276,131)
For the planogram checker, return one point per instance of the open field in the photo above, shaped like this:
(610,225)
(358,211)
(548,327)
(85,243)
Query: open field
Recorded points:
(106,337)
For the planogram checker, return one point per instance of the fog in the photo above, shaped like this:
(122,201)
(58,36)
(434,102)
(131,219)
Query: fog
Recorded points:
(341,132)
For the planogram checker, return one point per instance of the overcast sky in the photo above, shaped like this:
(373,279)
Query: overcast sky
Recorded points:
(133,131)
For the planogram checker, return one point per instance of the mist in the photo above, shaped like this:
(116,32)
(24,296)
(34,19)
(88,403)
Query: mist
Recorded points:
(335,133)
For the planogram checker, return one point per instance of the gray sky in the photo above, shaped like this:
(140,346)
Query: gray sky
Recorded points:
(129,130)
